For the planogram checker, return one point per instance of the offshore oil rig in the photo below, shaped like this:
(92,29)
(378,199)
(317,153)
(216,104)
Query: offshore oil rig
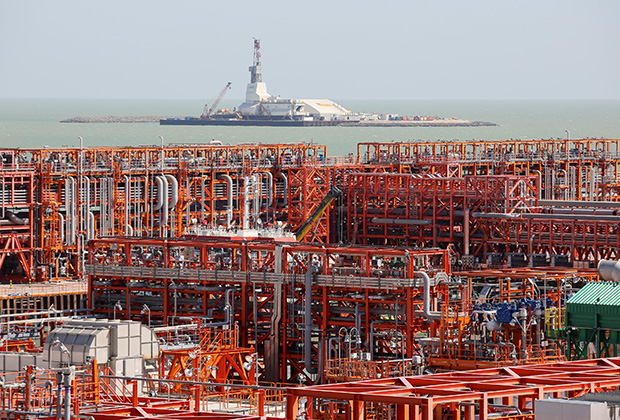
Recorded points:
(422,280)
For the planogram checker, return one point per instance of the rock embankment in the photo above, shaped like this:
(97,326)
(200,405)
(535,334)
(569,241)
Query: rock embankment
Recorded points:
(143,119)
(433,123)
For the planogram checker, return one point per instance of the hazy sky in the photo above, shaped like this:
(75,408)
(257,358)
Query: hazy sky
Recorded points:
(337,49)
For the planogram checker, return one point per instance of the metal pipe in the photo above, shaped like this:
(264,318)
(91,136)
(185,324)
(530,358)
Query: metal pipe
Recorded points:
(162,187)
(597,217)
(285,189)
(103,205)
(229,192)
(160,193)
(257,181)
(74,205)
(13,218)
(62,227)
(59,400)
(246,203)
(229,310)
(67,402)
(269,177)
(174,198)
(609,270)
(90,234)
(127,201)
(466,231)
(394,221)
(202,203)
(577,203)
(2,206)
(308,319)
(426,297)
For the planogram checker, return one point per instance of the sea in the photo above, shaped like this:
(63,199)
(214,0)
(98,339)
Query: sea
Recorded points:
(35,123)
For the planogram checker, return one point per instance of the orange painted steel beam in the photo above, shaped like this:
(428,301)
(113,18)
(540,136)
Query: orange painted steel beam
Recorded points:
(451,390)
(354,287)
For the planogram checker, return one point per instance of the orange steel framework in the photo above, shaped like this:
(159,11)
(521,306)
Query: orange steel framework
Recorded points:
(272,290)
(217,357)
(86,193)
(68,196)
(17,215)
(96,393)
(469,395)
(416,210)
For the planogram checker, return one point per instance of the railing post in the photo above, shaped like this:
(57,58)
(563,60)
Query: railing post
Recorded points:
(95,377)
(134,394)
(261,402)
(197,397)
(27,391)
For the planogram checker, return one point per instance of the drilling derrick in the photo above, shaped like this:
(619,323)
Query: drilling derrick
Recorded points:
(256,75)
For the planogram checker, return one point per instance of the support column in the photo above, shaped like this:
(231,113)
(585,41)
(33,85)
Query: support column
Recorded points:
(402,412)
(357,410)
(427,410)
(484,408)
(470,412)
(292,409)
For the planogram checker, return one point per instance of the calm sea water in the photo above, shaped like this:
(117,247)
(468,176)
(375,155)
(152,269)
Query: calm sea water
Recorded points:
(35,123)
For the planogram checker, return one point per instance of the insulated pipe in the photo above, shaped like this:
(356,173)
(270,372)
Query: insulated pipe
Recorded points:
(576,203)
(257,183)
(91,226)
(67,402)
(163,214)
(202,202)
(174,193)
(396,221)
(246,203)
(269,177)
(61,219)
(74,203)
(103,206)
(308,319)
(466,231)
(127,201)
(89,233)
(600,212)
(13,218)
(162,204)
(229,193)
(285,194)
(609,270)
(160,192)
(229,310)
(2,206)
(69,209)
(174,198)
(426,305)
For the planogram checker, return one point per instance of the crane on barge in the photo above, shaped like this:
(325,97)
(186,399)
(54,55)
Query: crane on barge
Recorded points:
(206,114)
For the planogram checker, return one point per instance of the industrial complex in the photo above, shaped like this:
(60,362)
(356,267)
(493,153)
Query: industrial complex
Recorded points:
(419,280)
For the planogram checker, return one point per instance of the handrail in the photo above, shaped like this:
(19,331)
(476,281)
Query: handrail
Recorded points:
(225,276)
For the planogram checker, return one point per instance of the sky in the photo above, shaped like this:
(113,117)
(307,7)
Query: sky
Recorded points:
(336,49)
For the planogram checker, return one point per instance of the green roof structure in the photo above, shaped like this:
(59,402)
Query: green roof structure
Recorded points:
(593,316)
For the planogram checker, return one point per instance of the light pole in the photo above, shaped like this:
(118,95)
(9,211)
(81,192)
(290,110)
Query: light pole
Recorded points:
(117,306)
(147,310)
(358,338)
(346,336)
(63,349)
(567,134)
